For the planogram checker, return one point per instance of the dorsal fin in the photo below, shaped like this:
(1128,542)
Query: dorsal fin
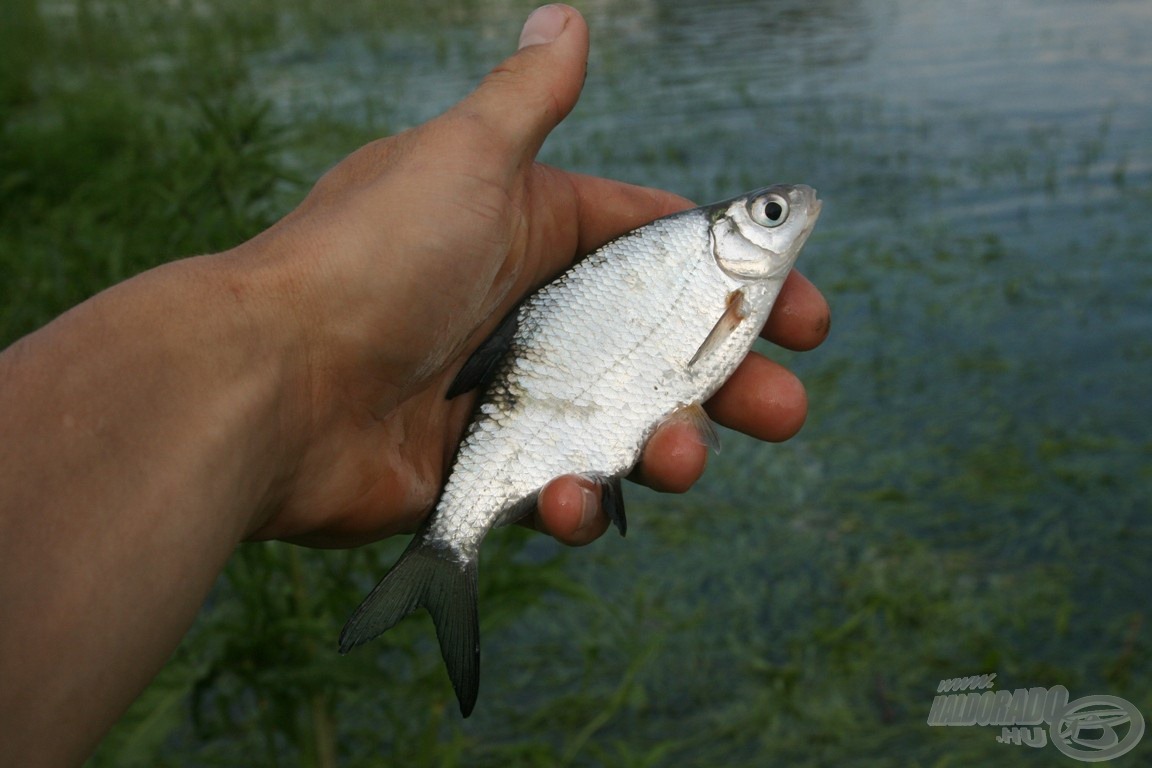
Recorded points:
(479,366)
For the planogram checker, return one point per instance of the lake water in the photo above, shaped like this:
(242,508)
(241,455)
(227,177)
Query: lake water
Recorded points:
(971,493)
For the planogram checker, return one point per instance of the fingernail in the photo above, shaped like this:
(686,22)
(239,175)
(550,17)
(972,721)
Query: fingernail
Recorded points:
(543,26)
(589,505)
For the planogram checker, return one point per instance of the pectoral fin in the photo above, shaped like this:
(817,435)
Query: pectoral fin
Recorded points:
(734,314)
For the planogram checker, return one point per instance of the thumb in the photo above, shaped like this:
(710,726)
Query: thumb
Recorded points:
(527,95)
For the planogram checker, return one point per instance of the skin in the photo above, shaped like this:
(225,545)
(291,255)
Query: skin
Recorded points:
(293,388)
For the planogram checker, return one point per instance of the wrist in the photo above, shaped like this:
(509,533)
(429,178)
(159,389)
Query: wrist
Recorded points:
(265,357)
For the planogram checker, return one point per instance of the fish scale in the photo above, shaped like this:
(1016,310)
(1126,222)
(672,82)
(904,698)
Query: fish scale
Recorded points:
(577,379)
(560,372)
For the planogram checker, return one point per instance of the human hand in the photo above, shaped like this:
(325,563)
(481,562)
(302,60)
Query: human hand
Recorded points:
(403,259)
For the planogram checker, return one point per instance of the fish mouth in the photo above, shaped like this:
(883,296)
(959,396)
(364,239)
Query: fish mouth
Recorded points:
(812,204)
(812,207)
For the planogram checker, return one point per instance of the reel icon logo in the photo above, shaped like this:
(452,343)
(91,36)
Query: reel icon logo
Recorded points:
(1086,730)
(1089,729)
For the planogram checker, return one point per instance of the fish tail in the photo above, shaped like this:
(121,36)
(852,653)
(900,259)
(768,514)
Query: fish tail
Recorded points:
(428,576)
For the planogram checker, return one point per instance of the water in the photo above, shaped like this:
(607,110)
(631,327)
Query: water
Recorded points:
(971,492)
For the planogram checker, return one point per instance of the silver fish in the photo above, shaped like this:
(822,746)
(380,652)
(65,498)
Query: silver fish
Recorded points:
(577,379)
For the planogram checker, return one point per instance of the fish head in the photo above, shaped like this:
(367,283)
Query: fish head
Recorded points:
(757,236)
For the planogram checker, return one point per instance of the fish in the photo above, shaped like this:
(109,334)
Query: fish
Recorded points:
(577,378)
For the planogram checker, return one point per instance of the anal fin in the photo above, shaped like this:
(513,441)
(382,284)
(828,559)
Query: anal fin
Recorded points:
(612,503)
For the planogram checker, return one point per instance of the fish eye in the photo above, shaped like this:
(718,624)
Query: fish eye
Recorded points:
(769,211)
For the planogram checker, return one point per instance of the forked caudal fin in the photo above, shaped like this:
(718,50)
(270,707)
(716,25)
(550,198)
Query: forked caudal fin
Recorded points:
(428,576)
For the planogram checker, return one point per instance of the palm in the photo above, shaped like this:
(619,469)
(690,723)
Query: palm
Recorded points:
(436,295)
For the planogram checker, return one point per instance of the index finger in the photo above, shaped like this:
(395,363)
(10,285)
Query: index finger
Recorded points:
(800,319)
(608,209)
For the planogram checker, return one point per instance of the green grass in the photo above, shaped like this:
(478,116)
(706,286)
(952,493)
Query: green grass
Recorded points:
(118,153)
